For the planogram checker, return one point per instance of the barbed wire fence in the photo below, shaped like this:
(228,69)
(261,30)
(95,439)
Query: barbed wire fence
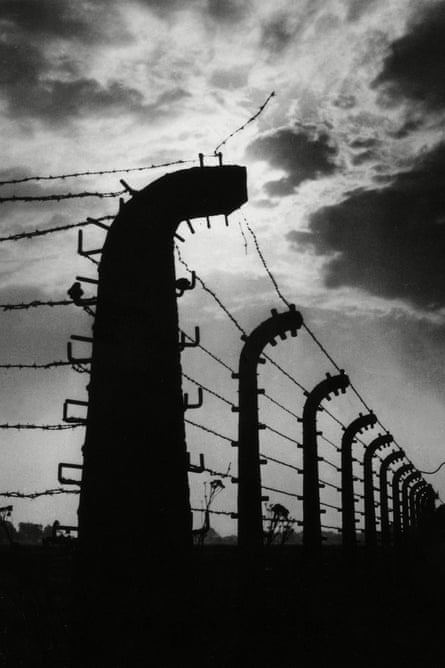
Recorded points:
(293,462)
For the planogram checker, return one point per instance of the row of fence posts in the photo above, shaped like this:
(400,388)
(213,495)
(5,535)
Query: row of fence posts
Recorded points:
(412,498)
(412,503)
(135,435)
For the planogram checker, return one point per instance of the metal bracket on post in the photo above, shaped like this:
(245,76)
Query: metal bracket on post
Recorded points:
(68,481)
(86,279)
(184,284)
(84,253)
(188,405)
(185,343)
(72,419)
(196,468)
(78,360)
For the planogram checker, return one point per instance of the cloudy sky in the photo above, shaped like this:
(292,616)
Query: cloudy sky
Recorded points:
(345,176)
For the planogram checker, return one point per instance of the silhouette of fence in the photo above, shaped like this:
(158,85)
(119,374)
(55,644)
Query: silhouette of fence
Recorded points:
(337,483)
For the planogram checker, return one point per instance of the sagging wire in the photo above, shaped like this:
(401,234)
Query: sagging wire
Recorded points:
(210,292)
(279,433)
(244,236)
(264,263)
(207,389)
(208,430)
(315,339)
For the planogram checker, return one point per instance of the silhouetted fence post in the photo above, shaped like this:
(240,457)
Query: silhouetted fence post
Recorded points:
(405,491)
(136,528)
(311,492)
(424,505)
(396,502)
(356,427)
(384,509)
(378,443)
(429,505)
(250,522)
(413,496)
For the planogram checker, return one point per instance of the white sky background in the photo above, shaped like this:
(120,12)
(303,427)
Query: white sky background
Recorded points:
(355,126)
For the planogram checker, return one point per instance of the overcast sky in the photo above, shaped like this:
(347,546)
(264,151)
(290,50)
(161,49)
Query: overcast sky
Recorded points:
(345,176)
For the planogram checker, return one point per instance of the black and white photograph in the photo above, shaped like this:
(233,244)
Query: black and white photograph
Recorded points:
(222,333)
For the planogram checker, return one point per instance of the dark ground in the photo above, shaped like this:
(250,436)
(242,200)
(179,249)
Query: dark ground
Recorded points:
(387,614)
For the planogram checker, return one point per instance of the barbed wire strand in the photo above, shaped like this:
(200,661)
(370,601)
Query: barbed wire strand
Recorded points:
(210,292)
(52,230)
(36,495)
(37,303)
(434,471)
(250,120)
(264,263)
(229,368)
(315,339)
(101,172)
(235,321)
(207,389)
(47,427)
(36,365)
(61,196)
(243,234)
(209,430)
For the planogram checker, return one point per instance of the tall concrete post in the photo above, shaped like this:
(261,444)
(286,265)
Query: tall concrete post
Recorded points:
(405,493)
(356,427)
(250,522)
(135,526)
(384,510)
(396,502)
(378,443)
(413,497)
(311,491)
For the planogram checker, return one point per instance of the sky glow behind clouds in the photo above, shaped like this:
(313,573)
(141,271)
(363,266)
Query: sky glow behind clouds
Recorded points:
(345,171)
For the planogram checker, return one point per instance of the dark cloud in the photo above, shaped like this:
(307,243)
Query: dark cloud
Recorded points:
(407,128)
(358,8)
(414,68)
(34,88)
(363,156)
(277,34)
(53,89)
(389,242)
(87,21)
(303,155)
(364,142)
(344,101)
(220,11)
(228,11)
